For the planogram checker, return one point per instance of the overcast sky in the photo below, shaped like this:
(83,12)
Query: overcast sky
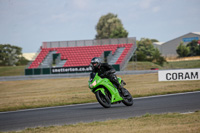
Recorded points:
(28,23)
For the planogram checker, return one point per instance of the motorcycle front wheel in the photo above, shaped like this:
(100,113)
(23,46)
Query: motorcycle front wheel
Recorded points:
(128,100)
(103,99)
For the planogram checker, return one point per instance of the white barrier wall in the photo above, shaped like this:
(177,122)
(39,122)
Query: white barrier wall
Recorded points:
(177,75)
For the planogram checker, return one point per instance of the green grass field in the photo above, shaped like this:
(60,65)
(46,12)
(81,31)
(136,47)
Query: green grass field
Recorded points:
(12,70)
(169,65)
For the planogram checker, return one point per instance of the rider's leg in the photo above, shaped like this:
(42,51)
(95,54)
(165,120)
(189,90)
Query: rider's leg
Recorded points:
(113,79)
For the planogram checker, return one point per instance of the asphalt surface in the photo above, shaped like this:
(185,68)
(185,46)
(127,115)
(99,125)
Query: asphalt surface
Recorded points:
(18,120)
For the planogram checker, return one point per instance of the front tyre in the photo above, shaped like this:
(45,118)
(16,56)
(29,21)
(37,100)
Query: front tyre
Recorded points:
(128,100)
(103,99)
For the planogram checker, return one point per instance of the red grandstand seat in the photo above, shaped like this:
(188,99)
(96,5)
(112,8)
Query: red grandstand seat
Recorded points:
(81,55)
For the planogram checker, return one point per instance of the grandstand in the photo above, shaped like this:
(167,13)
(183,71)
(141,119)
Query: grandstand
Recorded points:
(56,57)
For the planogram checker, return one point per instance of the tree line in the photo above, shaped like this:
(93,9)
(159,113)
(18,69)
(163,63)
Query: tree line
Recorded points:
(11,55)
(191,49)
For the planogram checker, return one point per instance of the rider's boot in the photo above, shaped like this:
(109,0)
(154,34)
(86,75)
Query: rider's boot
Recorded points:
(119,87)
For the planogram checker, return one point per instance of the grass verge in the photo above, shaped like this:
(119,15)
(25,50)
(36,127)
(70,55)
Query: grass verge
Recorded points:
(15,95)
(148,123)
(170,65)
(12,70)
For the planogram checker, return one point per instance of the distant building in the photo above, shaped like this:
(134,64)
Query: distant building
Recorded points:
(29,56)
(158,45)
(168,49)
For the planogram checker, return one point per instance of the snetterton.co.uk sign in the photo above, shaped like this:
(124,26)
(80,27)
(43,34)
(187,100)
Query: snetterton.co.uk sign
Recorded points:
(177,75)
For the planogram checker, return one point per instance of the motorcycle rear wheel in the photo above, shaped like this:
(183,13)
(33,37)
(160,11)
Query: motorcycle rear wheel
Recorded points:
(128,100)
(103,99)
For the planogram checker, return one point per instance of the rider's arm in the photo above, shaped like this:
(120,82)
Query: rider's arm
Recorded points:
(94,70)
(110,69)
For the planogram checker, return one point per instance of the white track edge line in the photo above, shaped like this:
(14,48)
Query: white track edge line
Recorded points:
(165,95)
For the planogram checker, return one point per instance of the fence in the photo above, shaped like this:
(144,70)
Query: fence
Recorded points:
(128,56)
(88,42)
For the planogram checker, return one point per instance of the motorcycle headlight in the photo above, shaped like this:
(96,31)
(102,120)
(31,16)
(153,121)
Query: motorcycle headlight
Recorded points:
(93,84)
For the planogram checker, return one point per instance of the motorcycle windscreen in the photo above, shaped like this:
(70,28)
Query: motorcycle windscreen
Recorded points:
(92,75)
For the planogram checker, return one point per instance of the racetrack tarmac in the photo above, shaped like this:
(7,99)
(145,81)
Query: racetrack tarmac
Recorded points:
(71,114)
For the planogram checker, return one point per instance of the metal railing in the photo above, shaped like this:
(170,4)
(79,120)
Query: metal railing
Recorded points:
(33,58)
(128,56)
(88,42)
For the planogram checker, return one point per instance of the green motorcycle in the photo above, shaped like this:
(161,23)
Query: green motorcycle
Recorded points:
(107,93)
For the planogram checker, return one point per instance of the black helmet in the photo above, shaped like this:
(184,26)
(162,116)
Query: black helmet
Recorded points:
(95,62)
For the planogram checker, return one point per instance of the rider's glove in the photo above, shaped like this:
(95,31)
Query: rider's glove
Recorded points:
(102,75)
(107,72)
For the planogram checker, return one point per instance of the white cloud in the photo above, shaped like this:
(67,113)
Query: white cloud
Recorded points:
(150,4)
(144,4)
(156,9)
(33,21)
(81,4)
(60,17)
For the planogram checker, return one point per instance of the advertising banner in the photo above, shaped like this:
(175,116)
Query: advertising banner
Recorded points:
(79,69)
(178,75)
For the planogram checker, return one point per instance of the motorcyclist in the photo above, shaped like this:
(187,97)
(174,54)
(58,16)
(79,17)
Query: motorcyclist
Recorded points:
(105,70)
